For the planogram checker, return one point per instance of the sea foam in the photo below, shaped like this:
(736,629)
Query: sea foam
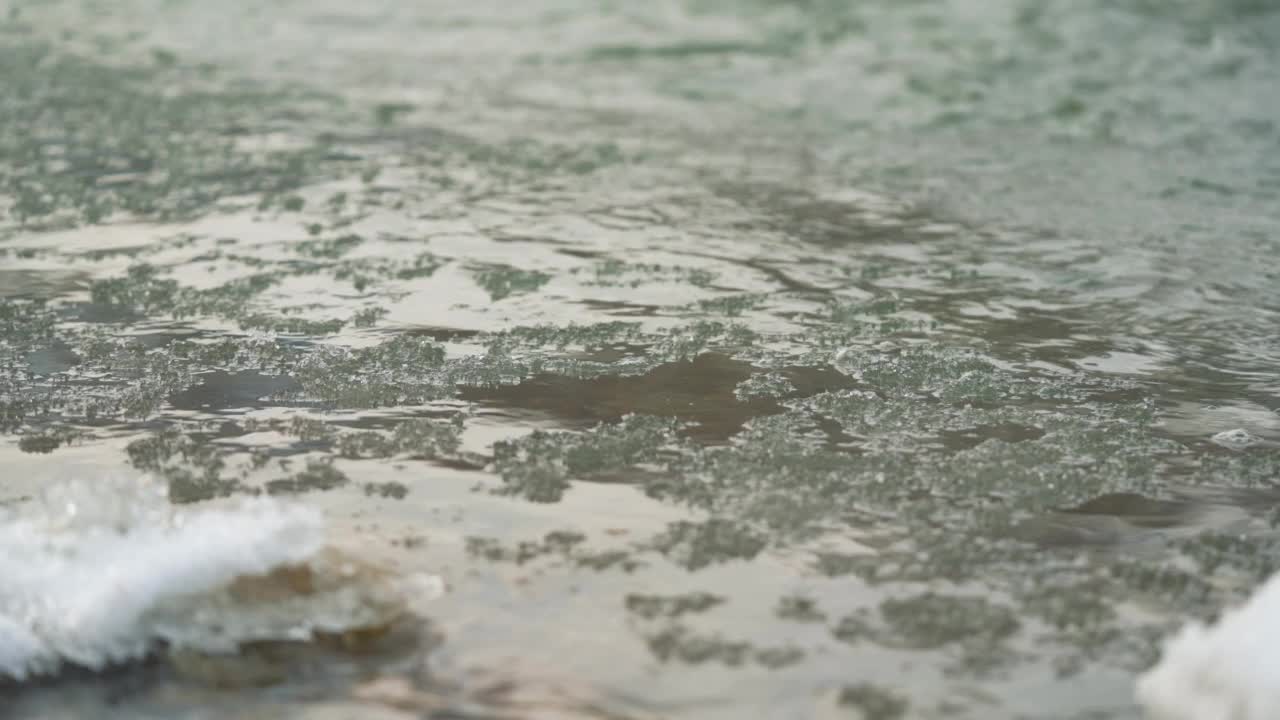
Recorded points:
(96,573)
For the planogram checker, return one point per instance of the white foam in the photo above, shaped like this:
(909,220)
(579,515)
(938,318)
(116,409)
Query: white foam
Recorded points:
(88,570)
(1228,671)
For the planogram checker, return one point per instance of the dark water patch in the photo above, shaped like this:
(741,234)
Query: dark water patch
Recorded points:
(106,314)
(622,308)
(219,390)
(447,413)
(413,135)
(797,214)
(58,358)
(677,51)
(42,284)
(442,334)
(1140,510)
(698,391)
(702,392)
(1059,337)
(1110,521)
(768,269)
(1005,432)
(162,338)
(507,236)
(508,162)
(97,255)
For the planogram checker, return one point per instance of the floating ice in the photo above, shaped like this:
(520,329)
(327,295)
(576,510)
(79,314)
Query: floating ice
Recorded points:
(1230,671)
(95,573)
(1237,439)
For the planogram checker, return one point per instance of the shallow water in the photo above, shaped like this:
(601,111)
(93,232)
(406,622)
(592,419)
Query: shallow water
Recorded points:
(727,358)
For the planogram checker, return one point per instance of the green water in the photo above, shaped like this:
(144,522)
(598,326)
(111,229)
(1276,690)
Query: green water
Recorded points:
(728,358)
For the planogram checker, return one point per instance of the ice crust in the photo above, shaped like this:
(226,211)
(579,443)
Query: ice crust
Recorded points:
(95,572)
(1226,671)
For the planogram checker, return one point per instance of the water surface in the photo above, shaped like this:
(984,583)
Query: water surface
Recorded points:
(726,358)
